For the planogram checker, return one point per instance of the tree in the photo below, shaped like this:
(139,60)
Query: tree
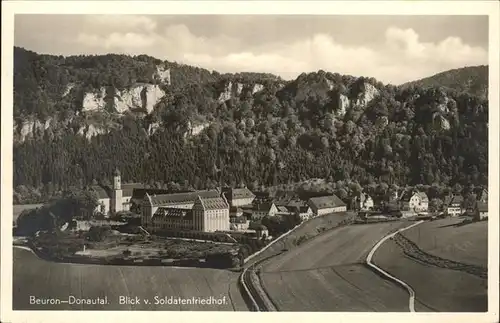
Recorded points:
(98,233)
(457,189)
(435,205)
(303,108)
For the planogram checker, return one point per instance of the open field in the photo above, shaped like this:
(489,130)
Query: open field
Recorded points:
(328,273)
(440,289)
(466,244)
(18,209)
(309,228)
(36,277)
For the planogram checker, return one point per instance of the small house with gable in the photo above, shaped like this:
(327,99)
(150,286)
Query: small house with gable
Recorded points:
(413,200)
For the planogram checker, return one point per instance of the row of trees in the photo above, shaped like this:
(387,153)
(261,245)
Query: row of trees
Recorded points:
(73,204)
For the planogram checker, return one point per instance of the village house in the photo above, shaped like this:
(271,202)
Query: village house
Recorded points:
(482,195)
(235,211)
(299,207)
(207,211)
(364,202)
(305,212)
(238,196)
(282,210)
(239,223)
(259,231)
(481,211)
(414,201)
(326,204)
(262,210)
(453,205)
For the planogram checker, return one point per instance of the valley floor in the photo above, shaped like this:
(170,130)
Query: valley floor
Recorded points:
(43,279)
(328,273)
(446,266)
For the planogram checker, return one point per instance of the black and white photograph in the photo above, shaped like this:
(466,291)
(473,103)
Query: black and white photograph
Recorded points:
(251,162)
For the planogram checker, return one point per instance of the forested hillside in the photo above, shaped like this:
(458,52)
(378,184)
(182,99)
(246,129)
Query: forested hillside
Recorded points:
(166,124)
(473,80)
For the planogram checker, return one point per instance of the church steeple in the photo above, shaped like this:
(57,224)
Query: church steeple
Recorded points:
(117,185)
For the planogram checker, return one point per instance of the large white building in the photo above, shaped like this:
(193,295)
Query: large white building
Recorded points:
(211,214)
(199,211)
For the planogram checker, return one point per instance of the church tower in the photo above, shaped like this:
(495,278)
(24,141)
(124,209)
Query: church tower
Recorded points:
(117,198)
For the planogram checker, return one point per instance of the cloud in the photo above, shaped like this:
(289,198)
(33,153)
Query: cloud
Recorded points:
(127,42)
(120,22)
(402,57)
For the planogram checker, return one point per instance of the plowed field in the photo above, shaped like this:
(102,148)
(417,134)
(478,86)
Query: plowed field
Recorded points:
(328,273)
(43,279)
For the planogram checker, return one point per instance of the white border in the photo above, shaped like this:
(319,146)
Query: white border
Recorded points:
(490,8)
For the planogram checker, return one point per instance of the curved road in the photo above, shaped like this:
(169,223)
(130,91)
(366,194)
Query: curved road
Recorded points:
(329,273)
(411,292)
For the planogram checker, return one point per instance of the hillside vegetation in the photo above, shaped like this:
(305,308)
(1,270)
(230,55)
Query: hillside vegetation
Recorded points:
(473,80)
(172,125)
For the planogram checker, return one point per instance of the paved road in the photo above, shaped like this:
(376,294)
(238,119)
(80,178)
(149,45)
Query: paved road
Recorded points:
(328,274)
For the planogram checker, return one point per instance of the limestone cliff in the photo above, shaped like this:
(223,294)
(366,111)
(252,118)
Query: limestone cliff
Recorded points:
(236,89)
(144,97)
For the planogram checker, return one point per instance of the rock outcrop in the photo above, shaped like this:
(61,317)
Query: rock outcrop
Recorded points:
(144,96)
(140,96)
(29,127)
(232,90)
(440,122)
(194,130)
(92,131)
(163,74)
(239,88)
(68,89)
(369,93)
(226,94)
(93,101)
(153,127)
(344,104)
(257,88)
